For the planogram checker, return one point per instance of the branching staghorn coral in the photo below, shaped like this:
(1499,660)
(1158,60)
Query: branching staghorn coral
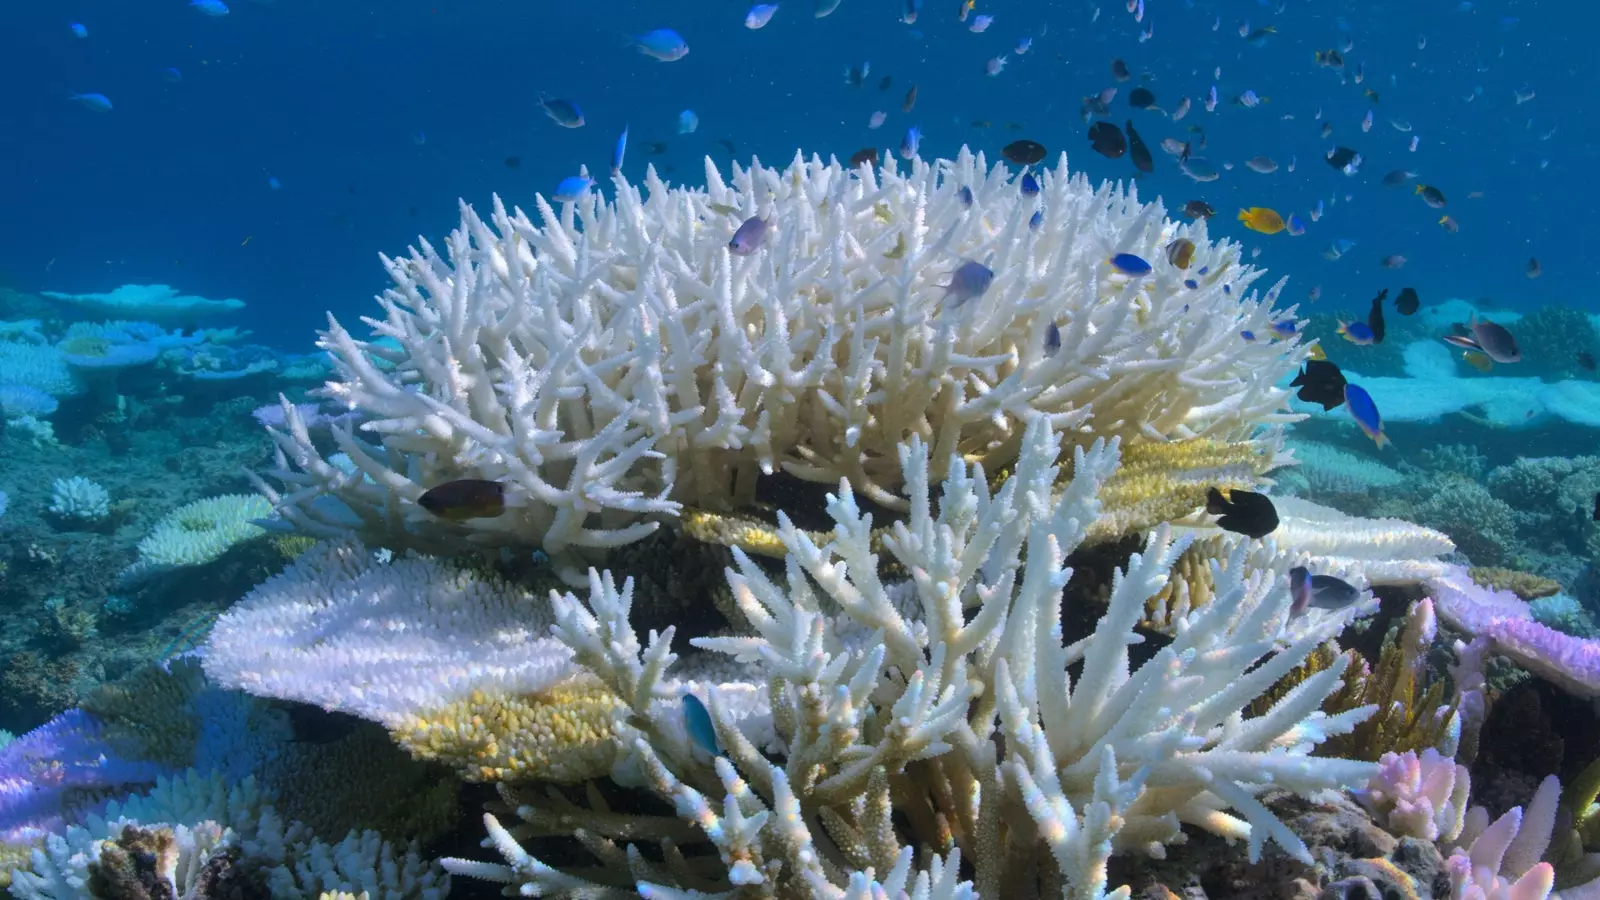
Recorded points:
(947,697)
(615,360)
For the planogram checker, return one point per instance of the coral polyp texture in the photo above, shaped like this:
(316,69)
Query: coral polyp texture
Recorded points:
(617,359)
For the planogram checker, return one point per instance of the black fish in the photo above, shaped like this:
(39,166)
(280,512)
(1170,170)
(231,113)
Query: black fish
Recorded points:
(1024,153)
(1375,317)
(1119,70)
(465,498)
(513,162)
(1322,383)
(1199,209)
(884,84)
(1339,157)
(1242,512)
(727,145)
(1408,302)
(1138,152)
(910,101)
(1597,507)
(1586,360)
(1141,98)
(655,148)
(864,155)
(1107,140)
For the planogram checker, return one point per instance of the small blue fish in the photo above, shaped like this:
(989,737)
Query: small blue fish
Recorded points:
(1191,284)
(1358,333)
(1318,592)
(970,279)
(697,719)
(1129,264)
(572,188)
(210,7)
(964,195)
(1023,46)
(822,9)
(1248,100)
(1338,248)
(663,44)
(1030,184)
(1035,220)
(273,183)
(688,122)
(96,102)
(1211,99)
(1365,412)
(910,10)
(171,75)
(619,151)
(1249,336)
(909,144)
(759,15)
(78,30)
(1294,225)
(1227,289)
(749,238)
(1052,340)
(1204,270)
(419,137)
(562,112)
(1285,328)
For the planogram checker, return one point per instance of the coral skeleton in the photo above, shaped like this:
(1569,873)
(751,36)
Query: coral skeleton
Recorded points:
(615,360)
(957,709)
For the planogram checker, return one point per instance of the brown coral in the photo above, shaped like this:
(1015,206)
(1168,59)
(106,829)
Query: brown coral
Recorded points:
(1526,585)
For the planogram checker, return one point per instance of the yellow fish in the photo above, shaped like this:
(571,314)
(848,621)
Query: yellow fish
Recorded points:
(899,250)
(1316,353)
(1478,360)
(1259,218)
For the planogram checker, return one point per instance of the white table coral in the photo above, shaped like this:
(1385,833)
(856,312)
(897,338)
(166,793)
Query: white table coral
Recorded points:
(615,359)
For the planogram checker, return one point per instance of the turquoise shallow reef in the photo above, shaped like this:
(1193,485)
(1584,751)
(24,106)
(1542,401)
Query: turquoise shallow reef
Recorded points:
(840,450)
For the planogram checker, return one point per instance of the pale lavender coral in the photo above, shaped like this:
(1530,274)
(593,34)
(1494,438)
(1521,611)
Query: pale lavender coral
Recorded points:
(45,773)
(1419,796)
(1572,663)
(273,415)
(1475,871)
(18,400)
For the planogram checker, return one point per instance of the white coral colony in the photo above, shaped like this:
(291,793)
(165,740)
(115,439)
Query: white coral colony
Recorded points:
(617,360)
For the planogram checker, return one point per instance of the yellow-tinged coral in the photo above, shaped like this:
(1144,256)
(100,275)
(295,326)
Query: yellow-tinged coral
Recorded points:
(1526,585)
(562,735)
(1412,715)
(290,546)
(1190,585)
(750,535)
(13,856)
(1160,481)
(1321,659)
(146,713)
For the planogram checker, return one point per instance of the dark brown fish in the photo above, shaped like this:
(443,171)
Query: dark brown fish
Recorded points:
(1137,151)
(1141,98)
(655,148)
(1339,157)
(1408,302)
(866,155)
(1320,382)
(727,145)
(513,162)
(1107,140)
(884,84)
(1199,209)
(465,498)
(1534,269)
(1119,70)
(1242,512)
(1586,360)
(1375,316)
(1024,153)
(910,101)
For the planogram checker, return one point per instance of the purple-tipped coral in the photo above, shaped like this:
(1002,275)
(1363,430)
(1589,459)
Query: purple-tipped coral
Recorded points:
(48,773)
(1572,663)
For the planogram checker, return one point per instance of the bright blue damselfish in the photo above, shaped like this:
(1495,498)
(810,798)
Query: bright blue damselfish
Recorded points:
(697,719)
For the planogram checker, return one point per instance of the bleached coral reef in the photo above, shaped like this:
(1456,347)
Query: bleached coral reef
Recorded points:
(958,708)
(617,360)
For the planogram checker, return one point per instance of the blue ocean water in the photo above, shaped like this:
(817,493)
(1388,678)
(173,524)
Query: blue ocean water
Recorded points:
(172,185)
